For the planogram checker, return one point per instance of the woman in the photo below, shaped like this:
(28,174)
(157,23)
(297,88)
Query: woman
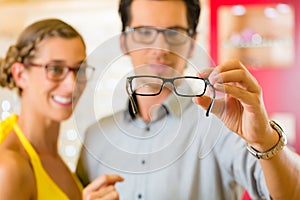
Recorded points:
(47,67)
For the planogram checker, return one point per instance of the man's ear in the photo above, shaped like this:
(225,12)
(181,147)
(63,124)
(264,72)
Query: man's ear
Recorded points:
(123,44)
(20,74)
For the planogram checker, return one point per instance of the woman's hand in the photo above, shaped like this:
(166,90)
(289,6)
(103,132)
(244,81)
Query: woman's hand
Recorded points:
(102,188)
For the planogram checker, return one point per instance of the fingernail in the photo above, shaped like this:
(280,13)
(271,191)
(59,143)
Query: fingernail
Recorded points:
(213,77)
(218,86)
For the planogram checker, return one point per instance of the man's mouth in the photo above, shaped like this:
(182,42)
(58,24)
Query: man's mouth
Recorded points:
(159,68)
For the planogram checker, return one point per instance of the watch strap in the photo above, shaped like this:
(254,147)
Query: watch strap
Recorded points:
(275,149)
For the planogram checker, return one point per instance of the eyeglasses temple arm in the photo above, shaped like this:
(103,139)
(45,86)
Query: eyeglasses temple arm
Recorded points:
(212,100)
(132,102)
(133,105)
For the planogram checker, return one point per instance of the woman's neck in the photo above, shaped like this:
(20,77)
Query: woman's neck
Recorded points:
(41,132)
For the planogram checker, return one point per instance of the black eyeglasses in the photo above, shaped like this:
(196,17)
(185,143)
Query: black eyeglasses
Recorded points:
(57,71)
(185,86)
(147,34)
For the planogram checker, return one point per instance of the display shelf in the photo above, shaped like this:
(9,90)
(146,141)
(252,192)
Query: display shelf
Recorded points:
(265,36)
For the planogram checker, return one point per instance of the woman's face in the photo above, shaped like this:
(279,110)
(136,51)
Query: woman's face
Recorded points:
(54,99)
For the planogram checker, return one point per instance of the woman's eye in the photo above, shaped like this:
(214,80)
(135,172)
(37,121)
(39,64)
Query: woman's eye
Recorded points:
(55,71)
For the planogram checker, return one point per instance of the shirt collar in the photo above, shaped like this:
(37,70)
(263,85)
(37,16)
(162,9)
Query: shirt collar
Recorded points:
(173,105)
(176,104)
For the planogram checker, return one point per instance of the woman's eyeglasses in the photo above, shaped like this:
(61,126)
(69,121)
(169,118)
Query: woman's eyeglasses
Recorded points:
(57,71)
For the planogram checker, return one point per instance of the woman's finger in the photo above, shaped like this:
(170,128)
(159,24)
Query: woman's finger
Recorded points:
(103,180)
(110,195)
(105,193)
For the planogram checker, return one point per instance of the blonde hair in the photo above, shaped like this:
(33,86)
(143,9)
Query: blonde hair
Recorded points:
(24,49)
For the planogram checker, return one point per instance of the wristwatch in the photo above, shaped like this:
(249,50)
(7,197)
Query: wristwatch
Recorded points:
(275,149)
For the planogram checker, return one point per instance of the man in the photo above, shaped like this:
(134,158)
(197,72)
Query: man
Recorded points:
(163,144)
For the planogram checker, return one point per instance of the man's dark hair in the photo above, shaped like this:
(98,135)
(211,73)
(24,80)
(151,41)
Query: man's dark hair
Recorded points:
(193,12)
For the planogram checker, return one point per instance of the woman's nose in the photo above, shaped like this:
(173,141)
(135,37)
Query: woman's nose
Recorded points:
(70,80)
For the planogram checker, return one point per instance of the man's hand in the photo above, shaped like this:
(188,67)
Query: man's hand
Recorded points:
(242,109)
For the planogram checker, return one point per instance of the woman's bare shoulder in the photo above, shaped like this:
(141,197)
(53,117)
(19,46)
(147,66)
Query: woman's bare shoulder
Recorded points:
(16,175)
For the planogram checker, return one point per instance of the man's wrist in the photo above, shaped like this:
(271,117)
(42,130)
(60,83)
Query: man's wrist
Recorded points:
(271,152)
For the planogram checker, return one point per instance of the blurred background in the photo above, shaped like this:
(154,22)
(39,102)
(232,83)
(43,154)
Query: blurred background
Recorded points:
(263,34)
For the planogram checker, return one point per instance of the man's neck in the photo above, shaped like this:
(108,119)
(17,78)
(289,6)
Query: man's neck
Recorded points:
(148,104)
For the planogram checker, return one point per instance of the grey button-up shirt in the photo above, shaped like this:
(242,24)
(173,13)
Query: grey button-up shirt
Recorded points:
(180,154)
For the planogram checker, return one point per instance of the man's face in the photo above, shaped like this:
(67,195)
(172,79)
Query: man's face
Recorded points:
(158,57)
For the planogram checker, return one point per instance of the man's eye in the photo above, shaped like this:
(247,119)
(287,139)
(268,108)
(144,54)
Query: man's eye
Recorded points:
(145,32)
(173,33)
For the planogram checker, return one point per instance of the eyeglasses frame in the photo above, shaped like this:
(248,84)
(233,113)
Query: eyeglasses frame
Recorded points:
(70,68)
(190,32)
(168,80)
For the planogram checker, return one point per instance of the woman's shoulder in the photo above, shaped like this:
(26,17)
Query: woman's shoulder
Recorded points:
(6,126)
(16,175)
(15,165)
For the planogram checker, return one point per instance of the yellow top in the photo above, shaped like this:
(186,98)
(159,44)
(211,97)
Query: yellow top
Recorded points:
(46,187)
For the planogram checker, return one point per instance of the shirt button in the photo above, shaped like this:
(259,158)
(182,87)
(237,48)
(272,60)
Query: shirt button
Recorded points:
(143,162)
(147,128)
(140,196)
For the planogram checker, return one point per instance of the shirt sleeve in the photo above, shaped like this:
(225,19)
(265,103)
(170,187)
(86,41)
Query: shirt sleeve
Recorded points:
(242,167)
(80,169)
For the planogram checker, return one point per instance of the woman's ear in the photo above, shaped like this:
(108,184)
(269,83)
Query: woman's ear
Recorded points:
(19,74)
(123,44)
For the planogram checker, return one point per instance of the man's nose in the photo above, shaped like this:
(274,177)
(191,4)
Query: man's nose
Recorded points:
(161,42)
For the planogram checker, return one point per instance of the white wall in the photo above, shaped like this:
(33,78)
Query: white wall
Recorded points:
(98,22)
